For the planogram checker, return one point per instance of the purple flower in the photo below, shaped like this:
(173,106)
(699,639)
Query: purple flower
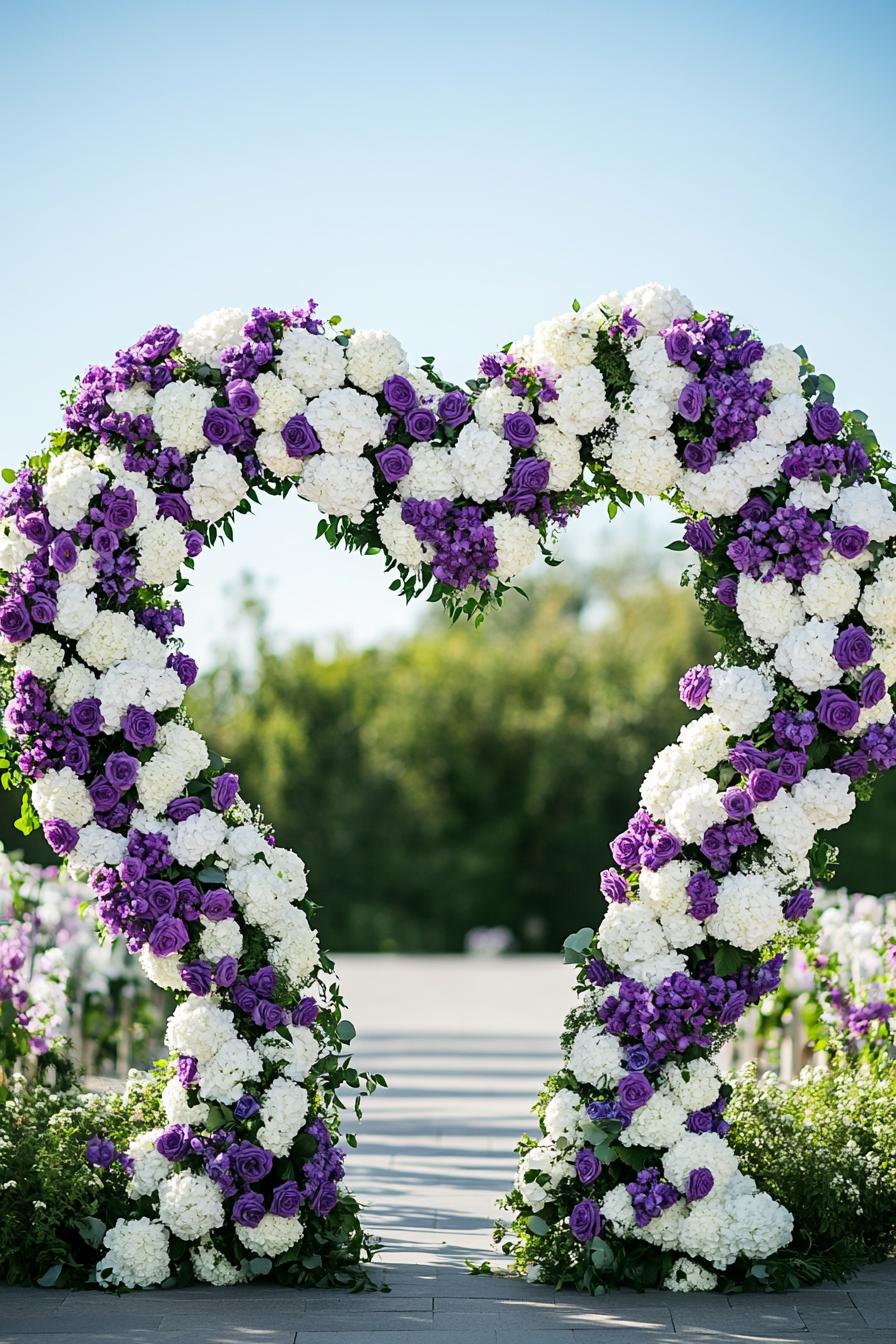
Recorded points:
(679,343)
(224,790)
(597,972)
(179,809)
(35,527)
(588,1167)
(855,765)
(300,437)
(15,623)
(216,904)
(586,1220)
(691,401)
(242,398)
(699,1122)
(187,1069)
(763,785)
(245,1107)
(700,456)
(853,647)
(737,803)
(744,756)
(226,972)
(792,767)
(454,409)
(800,904)
(221,426)
(197,976)
(121,509)
(614,886)
(702,890)
(634,1091)
(733,1008)
(825,420)
(699,1183)
(286,1199)
(531,473)
(248,1209)
(695,685)
(174,1142)
(520,431)
(185,667)
(121,770)
(699,535)
(420,423)
(63,553)
(837,710)
(264,981)
(61,835)
(873,688)
(394,462)
(305,1012)
(626,850)
(103,794)
(849,541)
(250,1162)
(399,393)
(139,726)
(726,591)
(168,936)
(101,1152)
(661,847)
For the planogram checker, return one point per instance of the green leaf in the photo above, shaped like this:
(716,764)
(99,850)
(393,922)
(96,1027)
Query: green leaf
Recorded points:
(92,1230)
(260,1266)
(727,960)
(346,1030)
(537,1226)
(9,476)
(47,1280)
(212,875)
(576,945)
(601,1255)
(679,545)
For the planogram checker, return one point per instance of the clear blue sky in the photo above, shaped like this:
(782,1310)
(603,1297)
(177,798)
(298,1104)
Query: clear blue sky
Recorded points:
(452,173)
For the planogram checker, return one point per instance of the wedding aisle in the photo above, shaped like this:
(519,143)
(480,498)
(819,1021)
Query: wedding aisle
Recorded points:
(465,1045)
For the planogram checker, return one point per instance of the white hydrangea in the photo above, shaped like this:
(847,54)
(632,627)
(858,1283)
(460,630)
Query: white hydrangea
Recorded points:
(76,610)
(767,610)
(782,366)
(278,401)
(656,306)
(694,810)
(339,484)
(162,971)
(197,837)
(190,1204)
(295,949)
(313,363)
(640,462)
(686,1276)
(137,1254)
(658,1124)
(70,486)
(786,420)
(804,656)
(633,940)
(616,1207)
(740,697)
(664,889)
(718,493)
(43,656)
(869,506)
(271,450)
(398,537)
(545,1159)
(212,334)
(882,712)
(581,405)
(296,1054)
(134,400)
(566,340)
(595,1057)
(480,461)
(345,421)
(739,1221)
(561,451)
(563,1115)
(672,772)
(178,414)
(650,365)
(785,825)
(431,475)
(517,543)
(225,1076)
(496,401)
(132,682)
(826,798)
(150,1167)
(833,591)
(749,912)
(372,357)
(61,794)
(272,1236)
(704,741)
(14,548)
(218,485)
(284,1109)
(161,550)
(176,1104)
(220,938)
(210,1266)
(813,495)
(96,845)
(694,1084)
(878,604)
(681,929)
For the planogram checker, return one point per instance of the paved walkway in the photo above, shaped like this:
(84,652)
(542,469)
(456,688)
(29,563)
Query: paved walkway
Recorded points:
(465,1044)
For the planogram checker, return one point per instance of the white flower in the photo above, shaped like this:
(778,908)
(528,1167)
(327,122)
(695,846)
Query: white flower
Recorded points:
(212,334)
(645,464)
(833,591)
(75,682)
(71,484)
(178,414)
(217,487)
(564,1114)
(749,912)
(279,400)
(595,1057)
(581,405)
(220,938)
(616,1207)
(566,340)
(372,357)
(496,401)
(672,772)
(665,889)
(767,610)
(786,420)
(295,1054)
(197,837)
(339,484)
(805,656)
(694,810)
(190,1204)
(96,845)
(313,363)
(176,1104)
(161,550)
(686,1276)
(284,1109)
(137,1254)
(545,1159)
(76,610)
(480,461)
(704,741)
(517,545)
(150,1167)
(295,949)
(162,971)
(110,638)
(210,1266)
(700,1150)
(133,401)
(785,825)
(650,366)
(740,697)
(431,476)
(398,537)
(739,1221)
(878,604)
(132,682)
(345,421)
(43,655)
(656,306)
(271,450)
(657,1124)
(632,939)
(869,506)
(826,798)
(14,548)
(61,794)
(272,1236)
(812,495)
(782,366)
(695,1084)
(561,451)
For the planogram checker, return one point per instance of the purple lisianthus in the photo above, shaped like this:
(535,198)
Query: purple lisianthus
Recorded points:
(286,1199)
(454,409)
(586,1220)
(305,1012)
(394,462)
(737,803)
(121,770)
(139,726)
(691,401)
(35,527)
(849,541)
(699,535)
(226,972)
(614,886)
(101,1152)
(251,1162)
(168,936)
(216,904)
(726,591)
(174,1142)
(224,790)
(179,809)
(824,420)
(420,423)
(242,398)
(799,905)
(873,688)
(248,1209)
(837,710)
(520,431)
(588,1167)
(699,1183)
(695,685)
(245,1107)
(221,426)
(63,553)
(399,393)
(300,437)
(634,1091)
(61,835)
(763,785)
(197,976)
(853,647)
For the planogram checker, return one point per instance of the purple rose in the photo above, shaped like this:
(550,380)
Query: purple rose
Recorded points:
(597,972)
(691,401)
(217,904)
(700,456)
(248,1209)
(324,1199)
(626,850)
(737,803)
(614,886)
(716,846)
(792,767)
(455,409)
(520,431)
(246,1107)
(121,770)
(77,755)
(179,809)
(853,647)
(399,393)
(699,535)
(121,510)
(741,554)
(104,542)
(679,344)
(764,785)
(799,905)
(733,1008)
(420,423)
(35,527)
(586,1220)
(168,936)
(394,462)
(300,437)
(242,398)
(61,835)
(269,1015)
(187,1069)
(726,591)
(837,710)
(531,473)
(699,1183)
(286,1199)
(161,896)
(873,688)
(744,756)
(103,794)
(588,1167)
(43,609)
(264,981)
(221,426)
(139,726)
(849,541)
(174,1142)
(699,1122)
(63,553)
(661,848)
(132,871)
(251,1162)
(226,972)
(695,685)
(825,420)
(305,1012)
(197,976)
(15,623)
(637,1058)
(185,667)
(224,790)
(634,1091)
(194,542)
(100,1152)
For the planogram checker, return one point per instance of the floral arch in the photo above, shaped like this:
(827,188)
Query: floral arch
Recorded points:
(787,509)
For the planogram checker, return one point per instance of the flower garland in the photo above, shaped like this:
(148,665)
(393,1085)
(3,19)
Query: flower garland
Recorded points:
(788,512)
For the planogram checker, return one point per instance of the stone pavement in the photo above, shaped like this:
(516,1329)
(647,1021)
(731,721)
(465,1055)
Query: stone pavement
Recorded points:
(465,1044)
